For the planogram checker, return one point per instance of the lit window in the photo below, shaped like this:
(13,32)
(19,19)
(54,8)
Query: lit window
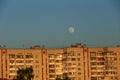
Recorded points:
(58,70)
(58,56)
(20,66)
(51,55)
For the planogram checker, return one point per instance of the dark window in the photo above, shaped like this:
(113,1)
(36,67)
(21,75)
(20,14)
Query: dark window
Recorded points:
(51,66)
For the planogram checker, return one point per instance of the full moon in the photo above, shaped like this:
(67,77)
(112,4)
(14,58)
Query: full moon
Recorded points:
(71,29)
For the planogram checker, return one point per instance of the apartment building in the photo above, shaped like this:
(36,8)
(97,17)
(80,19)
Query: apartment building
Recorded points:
(13,59)
(55,63)
(74,64)
(78,62)
(104,63)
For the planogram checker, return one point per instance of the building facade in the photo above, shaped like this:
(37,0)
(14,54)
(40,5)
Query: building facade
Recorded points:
(78,62)
(13,59)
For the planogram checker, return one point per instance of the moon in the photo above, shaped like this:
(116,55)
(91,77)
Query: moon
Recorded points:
(71,29)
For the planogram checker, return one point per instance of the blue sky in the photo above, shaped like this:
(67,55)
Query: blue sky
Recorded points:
(46,22)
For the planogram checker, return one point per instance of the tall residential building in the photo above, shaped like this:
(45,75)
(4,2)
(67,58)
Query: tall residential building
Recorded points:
(104,63)
(55,63)
(78,62)
(13,59)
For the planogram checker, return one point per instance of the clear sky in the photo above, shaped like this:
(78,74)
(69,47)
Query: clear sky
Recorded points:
(46,22)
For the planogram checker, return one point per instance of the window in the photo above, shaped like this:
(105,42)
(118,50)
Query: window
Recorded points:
(36,61)
(69,64)
(11,77)
(69,68)
(93,78)
(52,71)
(37,66)
(58,56)
(78,54)
(79,64)
(19,61)
(29,61)
(71,53)
(12,71)
(79,68)
(12,61)
(51,61)
(78,59)
(73,59)
(93,58)
(57,65)
(36,56)
(70,73)
(11,56)
(93,63)
(115,58)
(92,53)
(58,70)
(79,78)
(93,68)
(58,61)
(29,56)
(79,73)
(74,63)
(36,76)
(100,58)
(37,71)
(52,76)
(11,66)
(21,66)
(52,66)
(73,68)
(51,55)
(20,56)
